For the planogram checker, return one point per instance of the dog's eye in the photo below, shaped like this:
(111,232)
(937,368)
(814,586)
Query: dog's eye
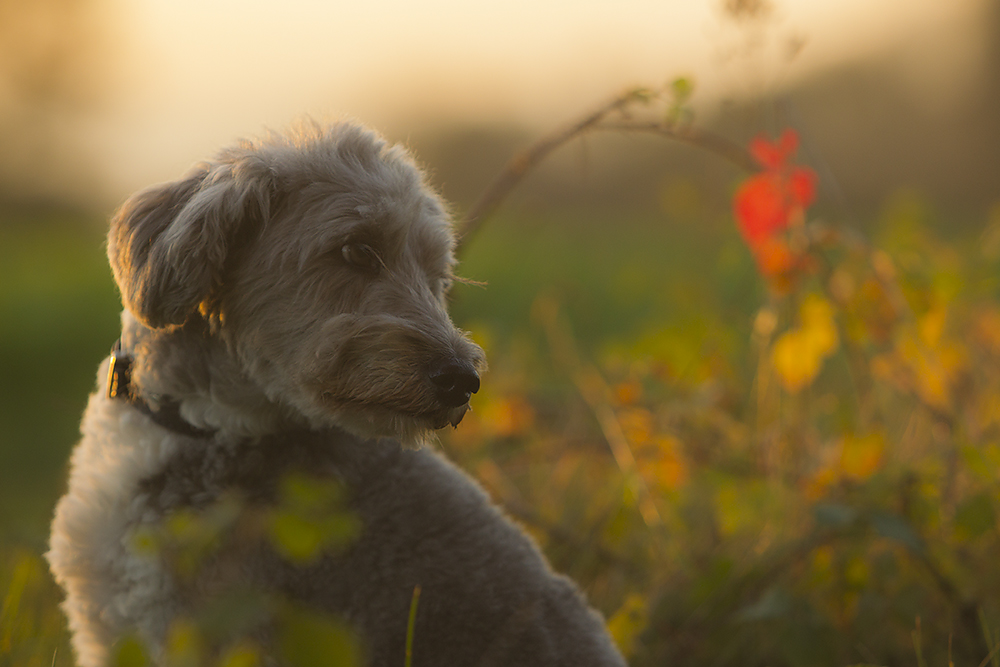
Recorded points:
(361,256)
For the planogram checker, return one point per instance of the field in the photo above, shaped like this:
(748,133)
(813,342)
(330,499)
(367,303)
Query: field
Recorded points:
(741,466)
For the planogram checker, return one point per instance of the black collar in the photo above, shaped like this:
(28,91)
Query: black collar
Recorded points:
(168,414)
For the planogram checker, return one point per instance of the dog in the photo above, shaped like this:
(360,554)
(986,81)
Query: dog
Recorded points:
(285,310)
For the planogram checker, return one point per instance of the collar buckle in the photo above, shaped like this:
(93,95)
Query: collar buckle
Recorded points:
(119,373)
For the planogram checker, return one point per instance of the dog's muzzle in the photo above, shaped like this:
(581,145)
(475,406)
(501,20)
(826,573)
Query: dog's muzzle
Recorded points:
(455,381)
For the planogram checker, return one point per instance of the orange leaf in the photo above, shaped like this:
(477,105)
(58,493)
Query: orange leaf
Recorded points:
(774,258)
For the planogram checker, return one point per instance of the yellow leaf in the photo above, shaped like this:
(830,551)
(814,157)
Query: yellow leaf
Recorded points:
(819,325)
(861,456)
(795,360)
(815,309)
(798,354)
(931,377)
(931,325)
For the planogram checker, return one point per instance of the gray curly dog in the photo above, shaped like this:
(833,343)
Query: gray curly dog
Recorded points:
(285,310)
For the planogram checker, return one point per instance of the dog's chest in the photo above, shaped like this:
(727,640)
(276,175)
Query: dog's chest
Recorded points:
(128,477)
(111,586)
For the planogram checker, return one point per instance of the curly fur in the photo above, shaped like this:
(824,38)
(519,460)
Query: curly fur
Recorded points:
(290,297)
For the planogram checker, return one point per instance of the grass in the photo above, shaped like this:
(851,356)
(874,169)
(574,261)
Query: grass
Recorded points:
(58,318)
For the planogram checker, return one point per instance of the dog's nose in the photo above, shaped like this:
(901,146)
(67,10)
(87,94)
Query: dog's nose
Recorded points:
(455,381)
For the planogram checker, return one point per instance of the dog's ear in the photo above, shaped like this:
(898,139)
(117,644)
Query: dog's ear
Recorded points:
(167,245)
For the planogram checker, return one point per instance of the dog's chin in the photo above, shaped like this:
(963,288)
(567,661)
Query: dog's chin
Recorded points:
(449,417)
(411,430)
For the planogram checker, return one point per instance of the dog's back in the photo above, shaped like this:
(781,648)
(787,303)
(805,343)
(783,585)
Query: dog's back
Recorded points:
(487,595)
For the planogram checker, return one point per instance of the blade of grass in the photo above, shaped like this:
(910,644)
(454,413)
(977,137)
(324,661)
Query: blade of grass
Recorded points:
(992,642)
(918,646)
(410,624)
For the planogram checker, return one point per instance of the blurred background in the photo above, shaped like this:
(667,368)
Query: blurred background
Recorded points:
(620,247)
(101,97)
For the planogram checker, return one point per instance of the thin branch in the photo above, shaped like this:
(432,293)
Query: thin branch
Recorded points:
(693,136)
(518,166)
(522,162)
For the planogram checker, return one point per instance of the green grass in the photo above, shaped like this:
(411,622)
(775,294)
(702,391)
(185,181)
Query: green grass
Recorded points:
(58,318)
(618,276)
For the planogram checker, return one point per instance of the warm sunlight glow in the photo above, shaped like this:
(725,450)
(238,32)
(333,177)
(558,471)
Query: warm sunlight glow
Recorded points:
(201,73)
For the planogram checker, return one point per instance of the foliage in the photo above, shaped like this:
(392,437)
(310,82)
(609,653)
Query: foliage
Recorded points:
(822,492)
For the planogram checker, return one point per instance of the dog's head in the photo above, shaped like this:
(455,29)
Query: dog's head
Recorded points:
(322,259)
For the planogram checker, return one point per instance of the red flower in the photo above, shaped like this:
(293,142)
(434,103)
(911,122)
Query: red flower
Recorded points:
(760,207)
(773,156)
(766,203)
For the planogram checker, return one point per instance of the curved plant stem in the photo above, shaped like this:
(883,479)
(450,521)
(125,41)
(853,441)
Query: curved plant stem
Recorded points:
(519,165)
(688,134)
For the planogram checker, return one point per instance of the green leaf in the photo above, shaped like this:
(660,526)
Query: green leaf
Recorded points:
(977,463)
(297,538)
(682,87)
(130,652)
(712,578)
(302,539)
(184,646)
(629,622)
(774,603)
(146,541)
(308,494)
(240,655)
(236,612)
(309,638)
(975,515)
(896,528)
(834,515)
